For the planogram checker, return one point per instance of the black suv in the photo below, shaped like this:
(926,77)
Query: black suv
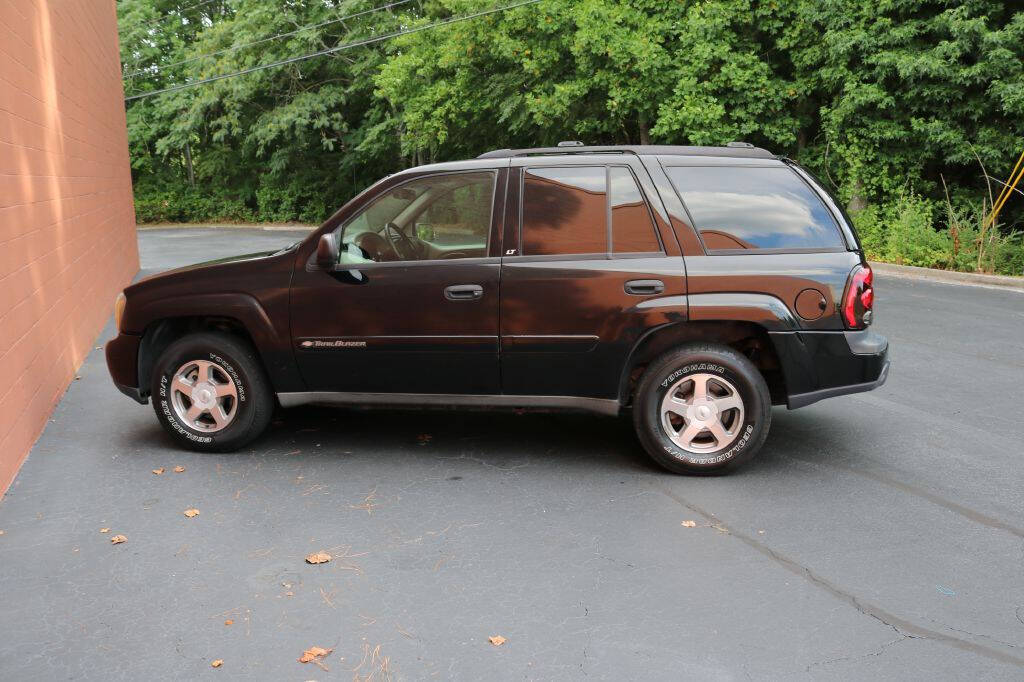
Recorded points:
(694,286)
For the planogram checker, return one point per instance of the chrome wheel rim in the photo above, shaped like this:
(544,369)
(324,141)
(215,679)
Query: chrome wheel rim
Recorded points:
(204,396)
(702,413)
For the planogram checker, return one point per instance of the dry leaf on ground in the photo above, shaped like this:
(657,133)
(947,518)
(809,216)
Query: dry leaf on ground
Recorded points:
(318,558)
(314,654)
(689,524)
(191,512)
(118,539)
(104,530)
(218,663)
(159,471)
(496,640)
(178,469)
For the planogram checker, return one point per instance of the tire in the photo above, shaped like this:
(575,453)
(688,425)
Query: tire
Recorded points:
(726,375)
(228,363)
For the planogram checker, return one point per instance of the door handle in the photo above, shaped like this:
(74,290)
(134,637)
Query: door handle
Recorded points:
(644,287)
(464,292)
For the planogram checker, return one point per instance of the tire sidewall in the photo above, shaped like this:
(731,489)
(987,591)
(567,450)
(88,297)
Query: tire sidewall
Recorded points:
(667,374)
(232,362)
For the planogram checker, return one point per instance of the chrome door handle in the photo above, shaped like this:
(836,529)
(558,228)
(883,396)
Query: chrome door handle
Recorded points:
(464,292)
(644,287)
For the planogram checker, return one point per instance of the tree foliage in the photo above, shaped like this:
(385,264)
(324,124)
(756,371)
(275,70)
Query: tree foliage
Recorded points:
(883,98)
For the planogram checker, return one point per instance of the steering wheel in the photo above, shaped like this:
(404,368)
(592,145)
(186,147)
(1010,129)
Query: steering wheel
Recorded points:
(403,245)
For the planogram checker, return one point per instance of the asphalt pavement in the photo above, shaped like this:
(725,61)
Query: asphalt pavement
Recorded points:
(877,536)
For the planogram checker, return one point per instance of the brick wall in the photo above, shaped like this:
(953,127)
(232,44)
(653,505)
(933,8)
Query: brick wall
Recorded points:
(67,221)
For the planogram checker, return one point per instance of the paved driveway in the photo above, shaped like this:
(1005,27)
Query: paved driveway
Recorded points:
(876,536)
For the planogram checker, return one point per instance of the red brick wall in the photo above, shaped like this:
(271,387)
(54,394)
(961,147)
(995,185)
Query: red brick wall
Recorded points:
(67,221)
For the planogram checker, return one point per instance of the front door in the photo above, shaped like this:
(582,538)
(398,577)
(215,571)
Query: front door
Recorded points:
(412,305)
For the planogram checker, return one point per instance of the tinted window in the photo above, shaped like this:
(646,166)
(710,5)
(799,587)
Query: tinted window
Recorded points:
(754,208)
(564,211)
(632,227)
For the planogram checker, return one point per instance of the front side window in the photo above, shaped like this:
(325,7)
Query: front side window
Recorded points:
(737,209)
(431,218)
(566,211)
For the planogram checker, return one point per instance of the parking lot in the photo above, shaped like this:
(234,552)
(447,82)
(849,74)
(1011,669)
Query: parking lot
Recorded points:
(875,536)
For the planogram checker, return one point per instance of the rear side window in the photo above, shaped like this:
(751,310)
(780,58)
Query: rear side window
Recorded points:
(632,226)
(738,209)
(566,211)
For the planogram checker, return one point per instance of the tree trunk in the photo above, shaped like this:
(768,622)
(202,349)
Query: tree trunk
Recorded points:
(645,130)
(188,166)
(858,202)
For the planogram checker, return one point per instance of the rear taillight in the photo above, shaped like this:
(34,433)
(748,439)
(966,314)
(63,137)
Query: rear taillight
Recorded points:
(860,297)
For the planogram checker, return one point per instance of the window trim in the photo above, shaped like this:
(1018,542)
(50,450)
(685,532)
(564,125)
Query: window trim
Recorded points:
(760,250)
(608,253)
(491,237)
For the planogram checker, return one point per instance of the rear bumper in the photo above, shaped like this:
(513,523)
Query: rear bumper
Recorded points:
(123,364)
(819,365)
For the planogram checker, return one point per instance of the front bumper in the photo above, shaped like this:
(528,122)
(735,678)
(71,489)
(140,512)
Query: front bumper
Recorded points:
(819,365)
(122,353)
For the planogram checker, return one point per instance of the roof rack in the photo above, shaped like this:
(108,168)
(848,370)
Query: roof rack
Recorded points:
(732,150)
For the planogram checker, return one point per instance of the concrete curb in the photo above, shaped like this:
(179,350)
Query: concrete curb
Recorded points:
(949,276)
(229,226)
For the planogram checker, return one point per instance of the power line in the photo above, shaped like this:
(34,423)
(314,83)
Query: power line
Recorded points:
(234,48)
(338,48)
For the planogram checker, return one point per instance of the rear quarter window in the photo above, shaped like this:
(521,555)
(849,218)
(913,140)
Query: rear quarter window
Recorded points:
(744,208)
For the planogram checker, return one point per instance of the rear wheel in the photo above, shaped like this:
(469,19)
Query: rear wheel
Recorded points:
(702,409)
(210,392)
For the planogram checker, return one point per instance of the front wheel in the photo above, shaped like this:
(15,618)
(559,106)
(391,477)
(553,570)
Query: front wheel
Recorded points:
(702,409)
(210,392)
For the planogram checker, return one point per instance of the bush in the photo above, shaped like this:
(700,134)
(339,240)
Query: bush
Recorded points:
(915,231)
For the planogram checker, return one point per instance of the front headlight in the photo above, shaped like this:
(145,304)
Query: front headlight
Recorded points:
(119,303)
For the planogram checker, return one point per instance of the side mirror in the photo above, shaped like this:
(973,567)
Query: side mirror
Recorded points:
(327,251)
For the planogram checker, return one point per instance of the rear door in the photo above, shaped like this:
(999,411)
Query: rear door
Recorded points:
(587,268)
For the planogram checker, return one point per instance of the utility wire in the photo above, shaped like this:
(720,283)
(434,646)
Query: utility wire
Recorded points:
(234,48)
(338,48)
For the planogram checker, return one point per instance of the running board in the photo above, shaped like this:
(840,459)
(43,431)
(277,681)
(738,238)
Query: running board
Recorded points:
(597,405)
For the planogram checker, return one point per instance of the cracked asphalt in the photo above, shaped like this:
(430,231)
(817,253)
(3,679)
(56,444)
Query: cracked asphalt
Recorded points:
(878,536)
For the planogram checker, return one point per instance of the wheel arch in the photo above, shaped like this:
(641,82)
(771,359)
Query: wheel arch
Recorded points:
(747,337)
(164,320)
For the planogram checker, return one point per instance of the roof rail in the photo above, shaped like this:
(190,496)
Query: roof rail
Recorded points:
(745,151)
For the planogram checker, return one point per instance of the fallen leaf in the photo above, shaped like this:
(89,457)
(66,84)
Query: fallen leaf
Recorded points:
(689,524)
(318,558)
(178,469)
(191,512)
(158,471)
(104,530)
(229,622)
(496,640)
(118,539)
(218,663)
(314,653)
